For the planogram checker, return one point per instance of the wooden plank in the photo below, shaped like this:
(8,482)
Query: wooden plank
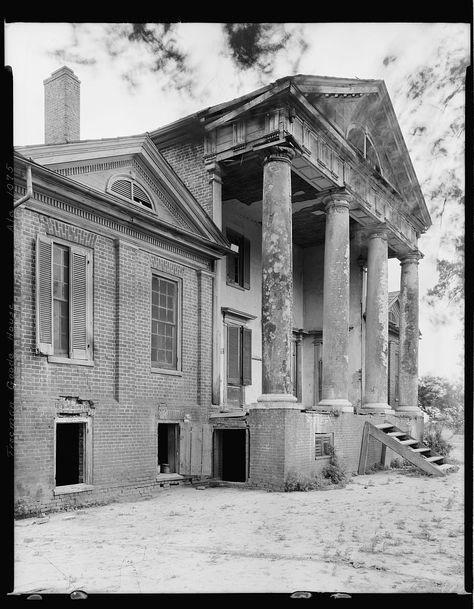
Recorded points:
(403,450)
(206,450)
(408,442)
(435,458)
(423,449)
(185,452)
(364,449)
(395,434)
(384,426)
(196,449)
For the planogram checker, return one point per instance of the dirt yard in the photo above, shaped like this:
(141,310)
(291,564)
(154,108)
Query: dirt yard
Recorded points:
(391,531)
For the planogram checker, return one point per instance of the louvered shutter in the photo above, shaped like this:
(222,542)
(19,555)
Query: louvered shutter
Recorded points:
(246,263)
(140,194)
(122,187)
(44,295)
(80,318)
(246,356)
(233,355)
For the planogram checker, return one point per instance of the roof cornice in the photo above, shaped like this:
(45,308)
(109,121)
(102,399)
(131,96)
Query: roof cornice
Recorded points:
(55,185)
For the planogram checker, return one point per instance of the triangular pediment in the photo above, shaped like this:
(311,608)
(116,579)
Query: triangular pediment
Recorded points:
(344,105)
(119,167)
(351,104)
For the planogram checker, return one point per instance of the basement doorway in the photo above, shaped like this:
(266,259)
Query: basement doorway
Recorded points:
(168,448)
(230,454)
(70,453)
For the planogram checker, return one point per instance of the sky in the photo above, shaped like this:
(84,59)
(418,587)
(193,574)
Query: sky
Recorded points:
(404,55)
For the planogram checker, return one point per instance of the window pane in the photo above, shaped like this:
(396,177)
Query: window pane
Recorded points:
(61,299)
(164,331)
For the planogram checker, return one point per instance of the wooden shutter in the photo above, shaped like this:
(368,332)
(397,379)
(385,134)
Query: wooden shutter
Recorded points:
(246,263)
(44,295)
(233,355)
(246,356)
(80,318)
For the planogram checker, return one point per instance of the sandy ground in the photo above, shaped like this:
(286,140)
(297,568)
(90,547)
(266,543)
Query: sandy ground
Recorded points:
(391,531)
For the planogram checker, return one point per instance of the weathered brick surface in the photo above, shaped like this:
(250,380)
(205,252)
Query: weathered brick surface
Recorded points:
(62,107)
(126,394)
(187,160)
(283,440)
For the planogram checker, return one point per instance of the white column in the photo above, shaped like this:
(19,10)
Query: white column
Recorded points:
(215,179)
(277,278)
(409,335)
(376,333)
(335,383)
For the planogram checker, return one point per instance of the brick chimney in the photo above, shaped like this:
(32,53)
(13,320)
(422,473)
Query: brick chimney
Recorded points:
(61,107)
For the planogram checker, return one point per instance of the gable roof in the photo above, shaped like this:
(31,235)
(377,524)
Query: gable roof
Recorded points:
(184,211)
(337,104)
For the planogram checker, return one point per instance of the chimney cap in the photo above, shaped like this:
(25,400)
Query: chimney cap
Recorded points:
(60,72)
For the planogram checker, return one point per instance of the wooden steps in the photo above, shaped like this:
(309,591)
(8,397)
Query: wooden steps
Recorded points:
(403,444)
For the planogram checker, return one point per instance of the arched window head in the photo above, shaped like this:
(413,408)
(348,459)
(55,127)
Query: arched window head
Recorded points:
(356,137)
(129,189)
(360,140)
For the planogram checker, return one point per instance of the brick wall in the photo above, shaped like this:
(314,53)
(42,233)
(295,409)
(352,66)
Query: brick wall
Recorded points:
(187,161)
(126,394)
(283,440)
(61,107)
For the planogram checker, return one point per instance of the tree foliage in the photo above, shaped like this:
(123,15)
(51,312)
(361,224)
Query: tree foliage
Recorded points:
(442,401)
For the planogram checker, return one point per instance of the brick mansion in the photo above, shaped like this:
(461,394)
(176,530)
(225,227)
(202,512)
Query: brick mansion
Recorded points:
(209,299)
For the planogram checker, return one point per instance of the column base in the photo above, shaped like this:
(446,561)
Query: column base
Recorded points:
(376,407)
(409,410)
(277,400)
(334,404)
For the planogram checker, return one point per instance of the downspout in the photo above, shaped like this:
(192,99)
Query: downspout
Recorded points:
(29,189)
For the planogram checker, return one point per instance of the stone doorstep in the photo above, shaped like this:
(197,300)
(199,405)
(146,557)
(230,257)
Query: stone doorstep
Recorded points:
(168,477)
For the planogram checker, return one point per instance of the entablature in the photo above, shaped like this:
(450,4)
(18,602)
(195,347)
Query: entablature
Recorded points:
(320,161)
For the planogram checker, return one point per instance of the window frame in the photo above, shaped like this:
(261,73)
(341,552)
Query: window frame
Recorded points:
(245,367)
(367,138)
(133,181)
(323,438)
(243,259)
(157,367)
(86,485)
(41,347)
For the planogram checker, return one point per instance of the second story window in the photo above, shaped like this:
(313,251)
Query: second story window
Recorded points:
(63,299)
(238,263)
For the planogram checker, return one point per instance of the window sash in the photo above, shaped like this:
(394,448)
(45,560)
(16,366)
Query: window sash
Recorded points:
(238,262)
(164,322)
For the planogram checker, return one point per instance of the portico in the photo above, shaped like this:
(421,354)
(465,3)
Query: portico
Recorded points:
(312,185)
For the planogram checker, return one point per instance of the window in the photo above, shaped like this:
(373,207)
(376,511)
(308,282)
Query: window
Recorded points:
(239,362)
(360,140)
(63,299)
(131,190)
(164,322)
(322,445)
(72,453)
(238,263)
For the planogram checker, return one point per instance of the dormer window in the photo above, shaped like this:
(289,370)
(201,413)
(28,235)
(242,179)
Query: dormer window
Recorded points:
(361,140)
(129,189)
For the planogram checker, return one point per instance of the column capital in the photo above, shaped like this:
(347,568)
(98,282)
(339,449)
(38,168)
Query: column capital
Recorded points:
(411,258)
(379,231)
(339,199)
(278,153)
(214,170)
